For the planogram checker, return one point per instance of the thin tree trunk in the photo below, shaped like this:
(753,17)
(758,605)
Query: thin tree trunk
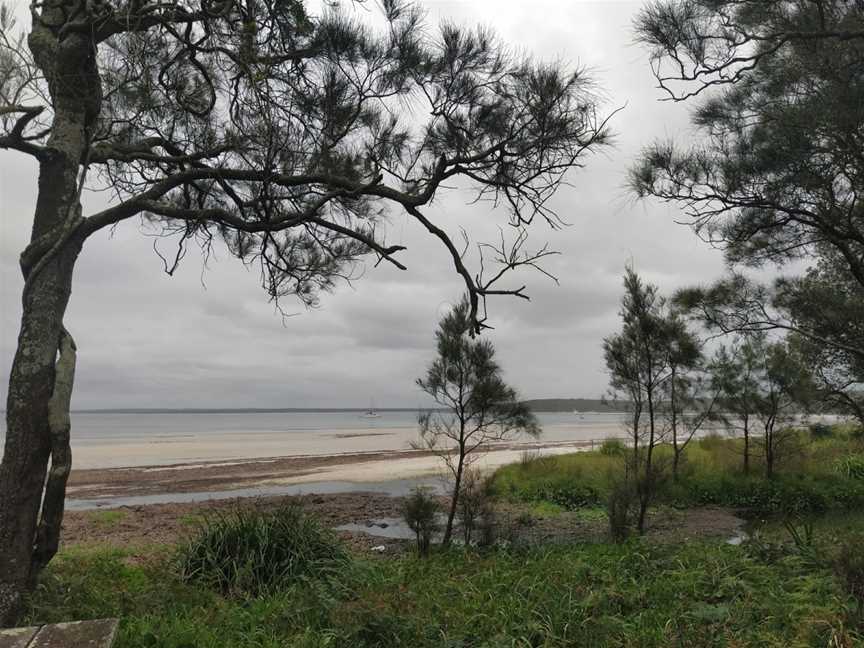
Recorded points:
(454,501)
(651,430)
(647,485)
(746,444)
(769,447)
(676,452)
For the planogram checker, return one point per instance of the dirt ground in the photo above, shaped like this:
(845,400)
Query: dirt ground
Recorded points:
(161,524)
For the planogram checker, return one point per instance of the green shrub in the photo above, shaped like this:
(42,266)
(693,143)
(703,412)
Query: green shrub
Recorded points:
(849,566)
(784,494)
(850,467)
(570,495)
(613,448)
(619,510)
(253,552)
(814,480)
(821,431)
(420,512)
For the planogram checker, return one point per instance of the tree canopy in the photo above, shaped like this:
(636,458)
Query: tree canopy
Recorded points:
(289,135)
(286,134)
(776,174)
(480,407)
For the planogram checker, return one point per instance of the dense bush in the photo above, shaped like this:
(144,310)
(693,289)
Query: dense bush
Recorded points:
(785,494)
(570,495)
(613,448)
(420,512)
(821,430)
(823,476)
(850,467)
(620,509)
(253,552)
(849,566)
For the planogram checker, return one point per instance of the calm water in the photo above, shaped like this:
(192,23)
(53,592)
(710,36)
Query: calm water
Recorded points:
(114,439)
(100,427)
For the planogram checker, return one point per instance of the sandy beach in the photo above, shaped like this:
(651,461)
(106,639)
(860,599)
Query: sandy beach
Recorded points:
(146,458)
(263,473)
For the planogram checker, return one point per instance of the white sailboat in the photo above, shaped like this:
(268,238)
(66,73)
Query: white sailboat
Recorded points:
(370,413)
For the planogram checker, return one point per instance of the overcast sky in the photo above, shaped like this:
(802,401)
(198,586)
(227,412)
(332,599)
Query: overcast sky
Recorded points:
(207,337)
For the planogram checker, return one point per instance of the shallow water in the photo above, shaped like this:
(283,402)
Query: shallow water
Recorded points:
(390,528)
(111,439)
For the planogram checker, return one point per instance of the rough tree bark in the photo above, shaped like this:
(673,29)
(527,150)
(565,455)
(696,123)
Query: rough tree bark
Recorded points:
(40,384)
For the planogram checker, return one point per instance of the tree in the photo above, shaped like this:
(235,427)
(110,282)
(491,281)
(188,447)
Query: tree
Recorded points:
(638,360)
(765,384)
(734,373)
(689,399)
(784,388)
(825,312)
(284,134)
(821,311)
(778,172)
(480,408)
(697,45)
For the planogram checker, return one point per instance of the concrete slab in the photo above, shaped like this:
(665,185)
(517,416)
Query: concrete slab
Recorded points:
(98,633)
(17,637)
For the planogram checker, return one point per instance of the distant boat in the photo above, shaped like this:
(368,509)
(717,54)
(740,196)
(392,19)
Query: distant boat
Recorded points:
(370,413)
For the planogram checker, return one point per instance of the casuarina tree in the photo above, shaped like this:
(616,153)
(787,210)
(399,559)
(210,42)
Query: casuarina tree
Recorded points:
(639,359)
(284,133)
(776,172)
(735,375)
(479,407)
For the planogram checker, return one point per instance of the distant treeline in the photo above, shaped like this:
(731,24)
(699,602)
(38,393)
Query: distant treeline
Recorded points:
(577,404)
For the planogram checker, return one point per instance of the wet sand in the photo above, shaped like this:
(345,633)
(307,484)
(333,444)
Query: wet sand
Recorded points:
(261,473)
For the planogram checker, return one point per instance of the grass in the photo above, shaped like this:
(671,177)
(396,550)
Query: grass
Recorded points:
(824,473)
(252,552)
(587,595)
(107,518)
(268,579)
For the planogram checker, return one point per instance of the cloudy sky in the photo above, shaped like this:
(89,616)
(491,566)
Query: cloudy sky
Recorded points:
(208,337)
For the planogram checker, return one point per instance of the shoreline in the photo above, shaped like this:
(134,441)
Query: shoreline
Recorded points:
(275,473)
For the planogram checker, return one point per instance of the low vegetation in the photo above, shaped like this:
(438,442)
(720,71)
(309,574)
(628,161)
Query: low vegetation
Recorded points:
(823,474)
(633,594)
(277,578)
(420,511)
(252,552)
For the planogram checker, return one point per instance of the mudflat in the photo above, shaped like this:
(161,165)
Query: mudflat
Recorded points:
(210,476)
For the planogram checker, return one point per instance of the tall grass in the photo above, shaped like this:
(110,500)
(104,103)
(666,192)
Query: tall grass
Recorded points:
(634,594)
(253,552)
(823,475)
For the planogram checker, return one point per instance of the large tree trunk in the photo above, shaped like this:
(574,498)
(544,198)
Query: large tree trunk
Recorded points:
(36,430)
(40,384)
